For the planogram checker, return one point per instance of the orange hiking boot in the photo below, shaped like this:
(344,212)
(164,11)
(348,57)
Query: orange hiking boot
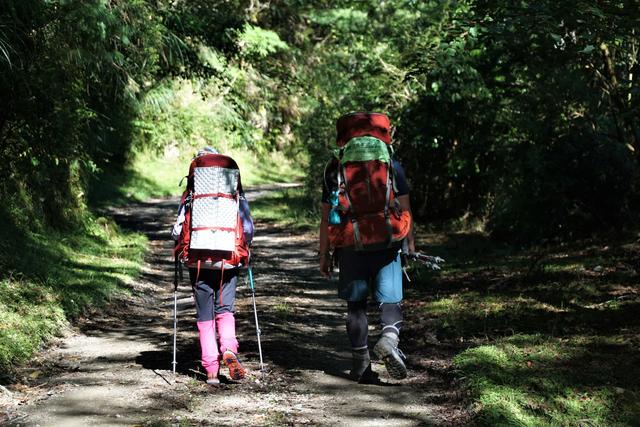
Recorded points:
(236,370)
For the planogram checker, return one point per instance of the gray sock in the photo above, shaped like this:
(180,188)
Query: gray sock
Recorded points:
(357,325)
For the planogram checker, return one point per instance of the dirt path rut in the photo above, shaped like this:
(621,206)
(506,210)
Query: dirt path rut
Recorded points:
(115,369)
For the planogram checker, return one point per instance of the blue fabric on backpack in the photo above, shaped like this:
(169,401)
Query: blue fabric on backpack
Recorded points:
(247,221)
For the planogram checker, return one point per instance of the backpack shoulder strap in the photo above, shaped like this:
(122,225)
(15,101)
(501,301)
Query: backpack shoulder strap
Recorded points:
(333,162)
(392,170)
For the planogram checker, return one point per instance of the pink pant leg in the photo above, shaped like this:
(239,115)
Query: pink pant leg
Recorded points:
(209,346)
(226,324)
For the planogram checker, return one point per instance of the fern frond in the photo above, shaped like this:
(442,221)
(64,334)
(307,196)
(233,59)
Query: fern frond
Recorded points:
(5,49)
(173,48)
(159,99)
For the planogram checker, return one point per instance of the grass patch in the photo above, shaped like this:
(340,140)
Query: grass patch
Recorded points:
(283,310)
(159,175)
(534,380)
(50,277)
(550,336)
(268,168)
(290,208)
(146,177)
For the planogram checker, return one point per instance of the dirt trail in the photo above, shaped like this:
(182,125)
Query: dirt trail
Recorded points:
(115,369)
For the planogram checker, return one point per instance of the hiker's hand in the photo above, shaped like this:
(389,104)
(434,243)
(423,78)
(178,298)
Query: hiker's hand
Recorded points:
(325,265)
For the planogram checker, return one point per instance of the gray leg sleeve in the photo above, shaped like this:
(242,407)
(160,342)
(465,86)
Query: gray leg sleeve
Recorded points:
(391,318)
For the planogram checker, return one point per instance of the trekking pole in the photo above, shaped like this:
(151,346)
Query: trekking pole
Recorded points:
(255,315)
(175,313)
(432,262)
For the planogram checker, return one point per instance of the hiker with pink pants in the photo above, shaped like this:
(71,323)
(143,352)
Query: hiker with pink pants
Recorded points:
(215,293)
(213,234)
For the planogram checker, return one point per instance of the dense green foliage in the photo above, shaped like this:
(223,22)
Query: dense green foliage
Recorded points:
(69,77)
(88,83)
(522,116)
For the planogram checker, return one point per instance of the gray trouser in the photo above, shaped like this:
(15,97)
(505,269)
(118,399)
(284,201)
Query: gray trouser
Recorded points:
(213,293)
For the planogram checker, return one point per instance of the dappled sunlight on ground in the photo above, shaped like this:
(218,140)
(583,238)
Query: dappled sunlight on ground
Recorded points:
(121,358)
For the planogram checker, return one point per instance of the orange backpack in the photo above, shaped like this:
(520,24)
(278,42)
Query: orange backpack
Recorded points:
(366,213)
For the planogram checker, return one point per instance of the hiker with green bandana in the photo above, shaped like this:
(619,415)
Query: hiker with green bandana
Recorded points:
(366,218)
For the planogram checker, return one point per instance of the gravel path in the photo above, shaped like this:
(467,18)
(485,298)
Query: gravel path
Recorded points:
(115,368)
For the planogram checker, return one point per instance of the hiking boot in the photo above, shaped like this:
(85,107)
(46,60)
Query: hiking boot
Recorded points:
(387,350)
(236,370)
(360,365)
(212,379)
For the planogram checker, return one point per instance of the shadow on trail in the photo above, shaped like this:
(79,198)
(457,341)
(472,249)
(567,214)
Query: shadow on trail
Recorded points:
(302,321)
(562,291)
(301,324)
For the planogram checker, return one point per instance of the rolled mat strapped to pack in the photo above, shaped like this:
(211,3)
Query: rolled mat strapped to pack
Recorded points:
(357,124)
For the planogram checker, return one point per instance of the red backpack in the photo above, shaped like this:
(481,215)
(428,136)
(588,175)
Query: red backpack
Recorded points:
(366,213)
(212,234)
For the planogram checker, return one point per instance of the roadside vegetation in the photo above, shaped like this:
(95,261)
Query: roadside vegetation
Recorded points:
(54,276)
(287,208)
(543,336)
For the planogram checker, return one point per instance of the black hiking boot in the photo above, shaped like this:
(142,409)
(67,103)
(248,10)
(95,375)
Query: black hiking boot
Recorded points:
(361,366)
(387,350)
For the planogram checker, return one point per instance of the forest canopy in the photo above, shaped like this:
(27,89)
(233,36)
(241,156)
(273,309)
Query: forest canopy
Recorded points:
(520,117)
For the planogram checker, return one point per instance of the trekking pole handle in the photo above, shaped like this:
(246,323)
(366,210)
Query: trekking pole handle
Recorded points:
(251,279)
(432,262)
(422,257)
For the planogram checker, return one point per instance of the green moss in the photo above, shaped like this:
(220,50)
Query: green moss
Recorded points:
(538,380)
